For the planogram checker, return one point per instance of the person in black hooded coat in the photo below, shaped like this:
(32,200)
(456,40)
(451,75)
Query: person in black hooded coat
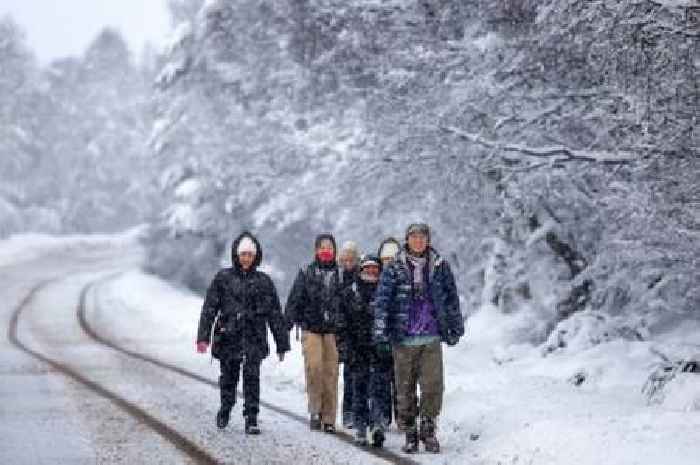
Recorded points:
(240,303)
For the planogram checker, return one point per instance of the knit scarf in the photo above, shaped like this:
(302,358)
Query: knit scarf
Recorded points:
(418,265)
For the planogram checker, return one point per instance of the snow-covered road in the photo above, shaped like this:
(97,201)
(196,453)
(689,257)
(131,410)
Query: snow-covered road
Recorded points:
(504,405)
(63,409)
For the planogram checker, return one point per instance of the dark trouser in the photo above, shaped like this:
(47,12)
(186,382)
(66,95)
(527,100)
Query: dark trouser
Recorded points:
(419,366)
(392,407)
(347,390)
(228,382)
(383,384)
(372,392)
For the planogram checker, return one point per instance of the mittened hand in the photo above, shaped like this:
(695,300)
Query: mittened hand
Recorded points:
(280,356)
(202,347)
(452,339)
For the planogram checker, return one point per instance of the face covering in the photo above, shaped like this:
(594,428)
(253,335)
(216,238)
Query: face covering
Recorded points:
(325,255)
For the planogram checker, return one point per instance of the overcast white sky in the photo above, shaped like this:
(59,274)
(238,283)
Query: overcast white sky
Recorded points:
(56,28)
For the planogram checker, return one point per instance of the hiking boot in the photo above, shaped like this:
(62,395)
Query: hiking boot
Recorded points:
(315,422)
(222,417)
(411,445)
(377,436)
(251,425)
(361,438)
(427,435)
(347,420)
(328,428)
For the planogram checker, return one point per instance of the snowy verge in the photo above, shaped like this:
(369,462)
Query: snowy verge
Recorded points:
(504,403)
(20,248)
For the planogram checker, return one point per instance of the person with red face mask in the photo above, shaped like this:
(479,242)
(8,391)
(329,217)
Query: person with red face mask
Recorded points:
(314,306)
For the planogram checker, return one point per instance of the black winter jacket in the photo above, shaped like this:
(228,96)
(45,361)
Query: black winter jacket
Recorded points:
(239,305)
(313,305)
(348,277)
(358,317)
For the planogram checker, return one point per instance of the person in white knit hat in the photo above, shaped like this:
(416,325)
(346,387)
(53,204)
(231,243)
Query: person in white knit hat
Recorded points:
(388,250)
(241,302)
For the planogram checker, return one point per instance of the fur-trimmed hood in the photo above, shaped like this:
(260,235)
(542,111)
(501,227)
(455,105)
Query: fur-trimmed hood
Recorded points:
(234,248)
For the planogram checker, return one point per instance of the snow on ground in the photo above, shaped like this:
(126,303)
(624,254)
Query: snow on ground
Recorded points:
(503,404)
(45,417)
(149,316)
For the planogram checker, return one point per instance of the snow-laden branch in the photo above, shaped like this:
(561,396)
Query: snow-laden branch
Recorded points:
(560,152)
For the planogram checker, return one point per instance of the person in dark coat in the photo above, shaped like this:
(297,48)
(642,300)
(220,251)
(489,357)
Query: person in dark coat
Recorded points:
(370,365)
(313,305)
(416,307)
(240,303)
(388,250)
(348,260)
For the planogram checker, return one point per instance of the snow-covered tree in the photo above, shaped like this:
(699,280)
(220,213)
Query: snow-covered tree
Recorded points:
(552,146)
(97,131)
(22,149)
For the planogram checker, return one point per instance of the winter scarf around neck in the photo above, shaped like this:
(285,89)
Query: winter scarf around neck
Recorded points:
(418,264)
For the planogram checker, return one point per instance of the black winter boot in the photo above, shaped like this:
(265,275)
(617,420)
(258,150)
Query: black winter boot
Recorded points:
(411,446)
(315,422)
(377,436)
(328,428)
(251,425)
(222,417)
(427,435)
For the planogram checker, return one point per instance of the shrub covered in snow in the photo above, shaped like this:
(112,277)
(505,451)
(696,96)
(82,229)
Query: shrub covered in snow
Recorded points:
(676,385)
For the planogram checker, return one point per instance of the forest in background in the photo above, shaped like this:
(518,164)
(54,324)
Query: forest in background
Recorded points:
(552,146)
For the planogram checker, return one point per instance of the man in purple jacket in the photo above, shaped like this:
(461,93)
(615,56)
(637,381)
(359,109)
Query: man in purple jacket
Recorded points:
(416,308)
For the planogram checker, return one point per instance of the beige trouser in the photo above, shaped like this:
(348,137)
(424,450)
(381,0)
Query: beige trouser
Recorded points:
(321,366)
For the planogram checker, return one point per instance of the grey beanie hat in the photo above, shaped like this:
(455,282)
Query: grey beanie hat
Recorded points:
(420,228)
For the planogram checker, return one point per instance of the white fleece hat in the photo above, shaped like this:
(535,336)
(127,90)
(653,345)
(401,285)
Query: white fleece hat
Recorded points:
(247,245)
(389,250)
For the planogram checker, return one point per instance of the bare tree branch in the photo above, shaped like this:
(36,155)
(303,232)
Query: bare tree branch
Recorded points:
(561,153)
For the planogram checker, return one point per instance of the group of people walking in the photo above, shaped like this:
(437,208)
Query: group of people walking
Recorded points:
(384,317)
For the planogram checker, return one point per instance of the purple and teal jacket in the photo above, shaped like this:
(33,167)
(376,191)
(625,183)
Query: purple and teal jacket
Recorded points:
(399,314)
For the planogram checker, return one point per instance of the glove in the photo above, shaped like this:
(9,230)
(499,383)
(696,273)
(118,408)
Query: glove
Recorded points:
(280,356)
(384,348)
(202,347)
(452,339)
